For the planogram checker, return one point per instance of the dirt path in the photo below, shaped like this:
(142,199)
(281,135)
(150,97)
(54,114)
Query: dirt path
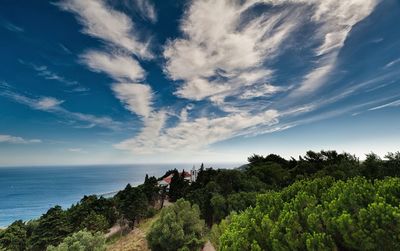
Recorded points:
(208,247)
(112,231)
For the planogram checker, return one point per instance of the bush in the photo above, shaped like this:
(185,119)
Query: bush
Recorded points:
(81,241)
(320,215)
(178,228)
(14,237)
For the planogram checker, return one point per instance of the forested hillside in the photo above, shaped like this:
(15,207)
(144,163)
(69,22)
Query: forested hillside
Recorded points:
(320,201)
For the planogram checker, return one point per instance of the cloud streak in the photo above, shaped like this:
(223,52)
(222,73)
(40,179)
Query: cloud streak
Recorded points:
(113,27)
(53,105)
(17,140)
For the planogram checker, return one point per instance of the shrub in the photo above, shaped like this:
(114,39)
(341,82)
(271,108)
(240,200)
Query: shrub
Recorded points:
(320,215)
(81,241)
(178,228)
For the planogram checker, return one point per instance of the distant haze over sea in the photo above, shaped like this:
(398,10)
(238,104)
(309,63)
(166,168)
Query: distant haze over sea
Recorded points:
(28,192)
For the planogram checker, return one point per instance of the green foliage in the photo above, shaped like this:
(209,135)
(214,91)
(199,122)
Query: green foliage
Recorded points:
(14,238)
(150,189)
(95,222)
(132,203)
(51,229)
(218,229)
(218,204)
(93,213)
(320,214)
(81,241)
(178,228)
(240,201)
(178,186)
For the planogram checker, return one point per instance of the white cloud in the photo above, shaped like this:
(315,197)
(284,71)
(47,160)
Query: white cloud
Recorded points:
(196,134)
(118,30)
(336,18)
(391,104)
(17,140)
(226,55)
(76,150)
(147,140)
(101,21)
(52,105)
(147,9)
(391,63)
(222,42)
(12,27)
(136,97)
(47,103)
(119,67)
(44,72)
(260,91)
(221,53)
(198,89)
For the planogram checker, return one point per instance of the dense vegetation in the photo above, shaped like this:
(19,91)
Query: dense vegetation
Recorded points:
(320,214)
(309,202)
(82,241)
(178,228)
(220,192)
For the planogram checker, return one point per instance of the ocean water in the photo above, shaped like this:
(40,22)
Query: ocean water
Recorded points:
(28,192)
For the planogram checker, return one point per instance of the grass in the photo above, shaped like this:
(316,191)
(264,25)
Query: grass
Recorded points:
(134,240)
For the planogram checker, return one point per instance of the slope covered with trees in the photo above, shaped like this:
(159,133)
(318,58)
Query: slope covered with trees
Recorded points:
(322,200)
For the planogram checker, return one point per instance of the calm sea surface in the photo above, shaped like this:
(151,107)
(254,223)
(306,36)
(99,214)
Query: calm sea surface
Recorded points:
(28,192)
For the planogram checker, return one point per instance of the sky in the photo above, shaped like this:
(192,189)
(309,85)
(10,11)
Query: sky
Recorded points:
(173,81)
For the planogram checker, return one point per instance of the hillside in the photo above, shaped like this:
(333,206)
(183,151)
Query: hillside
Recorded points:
(135,240)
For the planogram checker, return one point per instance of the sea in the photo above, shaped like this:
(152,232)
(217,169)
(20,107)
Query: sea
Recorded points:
(28,192)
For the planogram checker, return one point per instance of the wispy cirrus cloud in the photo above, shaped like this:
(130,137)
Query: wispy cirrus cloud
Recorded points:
(119,67)
(136,97)
(17,140)
(194,135)
(12,27)
(113,27)
(392,63)
(44,72)
(117,30)
(220,53)
(390,104)
(145,8)
(53,105)
(226,56)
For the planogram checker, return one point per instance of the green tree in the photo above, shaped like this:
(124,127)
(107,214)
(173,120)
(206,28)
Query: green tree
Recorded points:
(151,189)
(132,204)
(51,229)
(219,208)
(178,186)
(178,228)
(14,238)
(95,223)
(81,241)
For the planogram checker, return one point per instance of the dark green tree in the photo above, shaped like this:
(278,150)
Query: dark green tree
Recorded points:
(51,229)
(178,228)
(14,238)
(132,203)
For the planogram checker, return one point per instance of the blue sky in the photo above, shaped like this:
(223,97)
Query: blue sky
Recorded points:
(140,81)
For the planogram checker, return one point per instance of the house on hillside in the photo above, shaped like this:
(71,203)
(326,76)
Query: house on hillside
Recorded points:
(165,182)
(188,176)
